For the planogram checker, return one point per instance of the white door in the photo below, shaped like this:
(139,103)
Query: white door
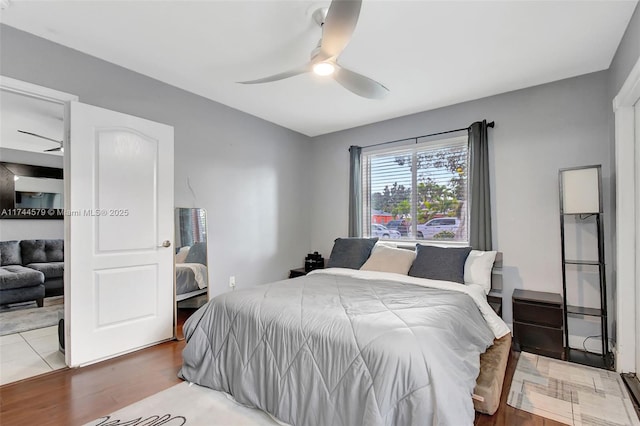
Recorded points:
(118,270)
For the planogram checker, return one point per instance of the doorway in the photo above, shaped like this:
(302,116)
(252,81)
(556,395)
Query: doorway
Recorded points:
(32,155)
(118,266)
(627,132)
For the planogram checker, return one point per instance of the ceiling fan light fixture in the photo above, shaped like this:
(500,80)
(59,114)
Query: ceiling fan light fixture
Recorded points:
(338,23)
(324,68)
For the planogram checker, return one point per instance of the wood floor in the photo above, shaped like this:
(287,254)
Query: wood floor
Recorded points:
(76,396)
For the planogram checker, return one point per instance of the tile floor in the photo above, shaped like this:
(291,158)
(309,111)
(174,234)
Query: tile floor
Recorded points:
(29,354)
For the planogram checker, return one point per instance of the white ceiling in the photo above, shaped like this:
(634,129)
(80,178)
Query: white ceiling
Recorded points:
(20,112)
(428,53)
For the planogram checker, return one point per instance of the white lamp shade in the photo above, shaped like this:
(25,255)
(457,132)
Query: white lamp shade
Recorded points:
(581,190)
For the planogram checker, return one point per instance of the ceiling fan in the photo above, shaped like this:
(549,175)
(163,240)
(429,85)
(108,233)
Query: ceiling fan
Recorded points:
(57,149)
(338,23)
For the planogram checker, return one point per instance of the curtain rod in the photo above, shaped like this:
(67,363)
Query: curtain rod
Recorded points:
(491,124)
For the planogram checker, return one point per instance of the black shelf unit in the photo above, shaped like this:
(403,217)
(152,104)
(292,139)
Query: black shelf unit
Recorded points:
(583,310)
(605,358)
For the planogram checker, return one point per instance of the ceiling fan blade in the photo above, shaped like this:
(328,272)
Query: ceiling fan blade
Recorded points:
(359,84)
(280,76)
(40,136)
(338,27)
(53,149)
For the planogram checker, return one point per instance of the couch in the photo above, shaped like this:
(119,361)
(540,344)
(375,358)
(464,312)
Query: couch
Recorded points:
(31,270)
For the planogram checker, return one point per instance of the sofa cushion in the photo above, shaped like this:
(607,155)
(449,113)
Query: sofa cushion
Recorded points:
(10,253)
(41,251)
(16,276)
(50,269)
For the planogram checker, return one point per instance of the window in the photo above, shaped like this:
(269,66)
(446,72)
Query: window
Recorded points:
(420,190)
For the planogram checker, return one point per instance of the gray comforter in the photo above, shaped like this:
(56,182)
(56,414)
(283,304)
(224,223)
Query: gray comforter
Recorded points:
(339,348)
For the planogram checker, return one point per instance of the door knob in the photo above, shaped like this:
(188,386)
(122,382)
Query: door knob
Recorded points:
(166,243)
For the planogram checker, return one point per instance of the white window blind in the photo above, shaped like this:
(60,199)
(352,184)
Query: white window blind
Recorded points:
(417,192)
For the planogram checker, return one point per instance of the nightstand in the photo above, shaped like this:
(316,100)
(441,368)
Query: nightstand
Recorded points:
(538,323)
(298,272)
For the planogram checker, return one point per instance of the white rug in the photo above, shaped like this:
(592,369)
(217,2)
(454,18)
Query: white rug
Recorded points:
(187,405)
(570,393)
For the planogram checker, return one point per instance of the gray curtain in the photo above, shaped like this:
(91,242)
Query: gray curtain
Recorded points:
(480,199)
(355,192)
(185,227)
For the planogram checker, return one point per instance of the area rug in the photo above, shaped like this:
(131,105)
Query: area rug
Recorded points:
(29,319)
(187,404)
(570,393)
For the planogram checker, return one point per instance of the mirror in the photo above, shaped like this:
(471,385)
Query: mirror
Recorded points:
(30,192)
(192,275)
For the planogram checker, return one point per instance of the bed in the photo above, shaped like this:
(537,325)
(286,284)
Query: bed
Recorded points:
(348,346)
(191,280)
(191,271)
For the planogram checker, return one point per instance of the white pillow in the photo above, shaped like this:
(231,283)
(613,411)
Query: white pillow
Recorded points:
(182,254)
(477,268)
(386,244)
(389,259)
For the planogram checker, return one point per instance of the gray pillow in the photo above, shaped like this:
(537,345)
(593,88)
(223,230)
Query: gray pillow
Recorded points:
(10,253)
(350,252)
(439,263)
(197,254)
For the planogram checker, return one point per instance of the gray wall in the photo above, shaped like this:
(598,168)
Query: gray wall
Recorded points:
(250,175)
(626,56)
(538,131)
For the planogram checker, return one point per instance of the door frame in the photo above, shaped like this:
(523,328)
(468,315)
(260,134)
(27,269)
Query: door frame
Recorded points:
(627,166)
(33,90)
(44,93)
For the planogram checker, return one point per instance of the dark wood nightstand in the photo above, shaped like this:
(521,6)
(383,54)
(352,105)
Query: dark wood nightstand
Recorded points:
(298,272)
(538,323)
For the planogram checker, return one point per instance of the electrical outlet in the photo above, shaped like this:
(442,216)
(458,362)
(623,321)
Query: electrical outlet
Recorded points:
(232,281)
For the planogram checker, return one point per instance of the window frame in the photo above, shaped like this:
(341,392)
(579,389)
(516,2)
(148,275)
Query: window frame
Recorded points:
(412,147)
